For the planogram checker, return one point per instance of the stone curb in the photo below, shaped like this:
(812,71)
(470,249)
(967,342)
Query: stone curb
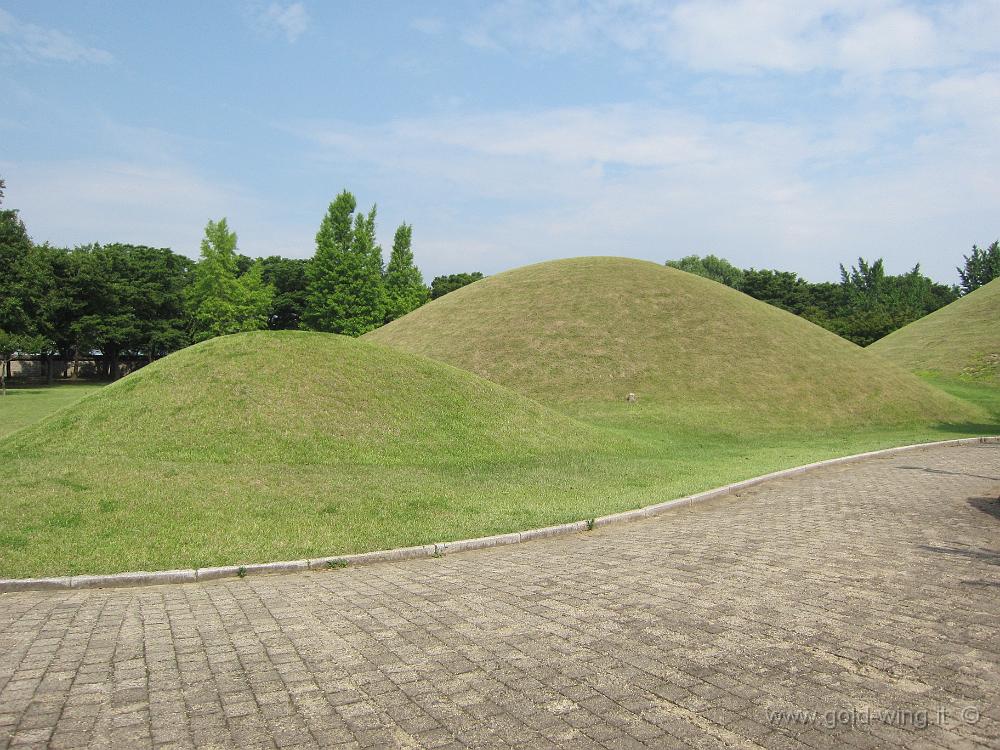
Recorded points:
(144,578)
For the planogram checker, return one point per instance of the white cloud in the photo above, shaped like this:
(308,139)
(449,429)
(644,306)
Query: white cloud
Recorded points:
(792,37)
(647,182)
(975,95)
(75,202)
(741,36)
(27,42)
(609,135)
(291,20)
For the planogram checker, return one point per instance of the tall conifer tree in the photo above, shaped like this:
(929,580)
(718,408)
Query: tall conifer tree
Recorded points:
(404,284)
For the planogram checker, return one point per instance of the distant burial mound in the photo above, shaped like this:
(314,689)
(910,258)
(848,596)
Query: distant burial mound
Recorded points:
(960,339)
(582,334)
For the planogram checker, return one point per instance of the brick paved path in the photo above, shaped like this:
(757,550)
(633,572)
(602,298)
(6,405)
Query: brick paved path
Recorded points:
(866,587)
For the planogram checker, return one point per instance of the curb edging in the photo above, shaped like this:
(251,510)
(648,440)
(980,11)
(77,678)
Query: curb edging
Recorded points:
(192,575)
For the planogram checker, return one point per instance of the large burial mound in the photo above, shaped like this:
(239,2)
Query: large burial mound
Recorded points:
(960,339)
(583,333)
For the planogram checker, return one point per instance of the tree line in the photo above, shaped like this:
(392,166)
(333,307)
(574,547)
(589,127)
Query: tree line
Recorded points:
(120,301)
(865,305)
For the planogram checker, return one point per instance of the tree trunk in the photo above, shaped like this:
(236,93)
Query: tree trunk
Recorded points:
(3,376)
(114,365)
(50,367)
(76,362)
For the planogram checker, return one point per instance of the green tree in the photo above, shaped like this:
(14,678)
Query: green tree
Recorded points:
(711,267)
(289,278)
(981,267)
(15,247)
(107,320)
(49,301)
(404,284)
(219,301)
(784,289)
(30,299)
(442,285)
(346,290)
(875,304)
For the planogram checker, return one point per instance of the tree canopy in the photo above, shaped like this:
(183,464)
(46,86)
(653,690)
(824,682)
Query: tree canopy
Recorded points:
(441,285)
(711,267)
(220,300)
(346,291)
(404,283)
(121,300)
(866,305)
(981,267)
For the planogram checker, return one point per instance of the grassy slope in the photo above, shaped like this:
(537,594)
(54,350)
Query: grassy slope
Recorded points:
(280,446)
(276,445)
(983,394)
(303,398)
(579,334)
(959,340)
(24,406)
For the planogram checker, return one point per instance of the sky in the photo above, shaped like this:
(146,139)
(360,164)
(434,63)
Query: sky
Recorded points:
(776,134)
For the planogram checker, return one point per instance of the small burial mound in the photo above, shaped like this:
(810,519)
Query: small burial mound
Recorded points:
(301,398)
(959,340)
(581,334)
(286,445)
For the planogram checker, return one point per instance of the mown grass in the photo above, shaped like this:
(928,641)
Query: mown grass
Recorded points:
(983,394)
(23,406)
(73,513)
(580,334)
(274,446)
(263,445)
(959,341)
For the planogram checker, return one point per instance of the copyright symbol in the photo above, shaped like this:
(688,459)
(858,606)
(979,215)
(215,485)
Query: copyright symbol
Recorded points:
(970,714)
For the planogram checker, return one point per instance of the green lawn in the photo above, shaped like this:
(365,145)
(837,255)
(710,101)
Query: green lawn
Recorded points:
(75,514)
(24,406)
(496,408)
(984,394)
(191,462)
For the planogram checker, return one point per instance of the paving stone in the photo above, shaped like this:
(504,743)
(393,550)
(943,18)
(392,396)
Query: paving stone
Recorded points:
(779,617)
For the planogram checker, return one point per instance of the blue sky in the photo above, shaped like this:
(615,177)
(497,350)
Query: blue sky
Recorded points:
(776,134)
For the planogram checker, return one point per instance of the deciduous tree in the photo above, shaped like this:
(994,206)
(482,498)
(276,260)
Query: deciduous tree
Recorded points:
(346,291)
(711,267)
(219,300)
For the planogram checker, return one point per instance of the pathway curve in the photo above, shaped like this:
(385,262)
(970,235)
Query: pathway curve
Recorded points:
(853,591)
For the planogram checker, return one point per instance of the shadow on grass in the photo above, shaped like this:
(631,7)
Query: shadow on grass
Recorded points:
(43,386)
